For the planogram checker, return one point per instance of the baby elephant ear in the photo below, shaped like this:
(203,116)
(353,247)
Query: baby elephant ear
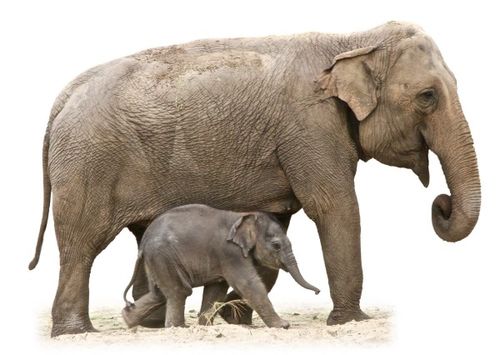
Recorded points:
(351,80)
(244,233)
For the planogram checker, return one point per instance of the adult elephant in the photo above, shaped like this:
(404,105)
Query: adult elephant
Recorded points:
(273,124)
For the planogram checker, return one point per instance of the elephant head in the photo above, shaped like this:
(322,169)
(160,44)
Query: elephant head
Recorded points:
(404,98)
(262,235)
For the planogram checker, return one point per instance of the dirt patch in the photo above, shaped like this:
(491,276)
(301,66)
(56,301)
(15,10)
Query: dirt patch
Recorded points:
(307,326)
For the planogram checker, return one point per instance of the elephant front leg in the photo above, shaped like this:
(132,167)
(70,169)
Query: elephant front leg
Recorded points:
(268,277)
(339,232)
(251,288)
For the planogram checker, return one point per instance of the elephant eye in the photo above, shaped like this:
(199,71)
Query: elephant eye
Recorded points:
(427,97)
(276,246)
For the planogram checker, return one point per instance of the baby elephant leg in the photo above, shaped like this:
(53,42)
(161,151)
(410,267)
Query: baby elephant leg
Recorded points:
(143,307)
(268,277)
(175,311)
(254,292)
(212,293)
(176,293)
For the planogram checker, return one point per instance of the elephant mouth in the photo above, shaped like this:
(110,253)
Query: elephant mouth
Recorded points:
(283,267)
(421,166)
(420,160)
(413,154)
(415,159)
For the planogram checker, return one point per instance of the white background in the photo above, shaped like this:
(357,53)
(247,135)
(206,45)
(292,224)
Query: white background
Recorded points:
(444,296)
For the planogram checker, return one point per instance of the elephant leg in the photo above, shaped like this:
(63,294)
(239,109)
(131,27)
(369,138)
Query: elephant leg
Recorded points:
(81,236)
(172,283)
(339,233)
(144,306)
(70,310)
(268,276)
(176,293)
(175,311)
(212,293)
(253,290)
(155,319)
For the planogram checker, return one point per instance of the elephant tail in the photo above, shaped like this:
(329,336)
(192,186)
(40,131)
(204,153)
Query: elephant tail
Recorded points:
(47,189)
(132,280)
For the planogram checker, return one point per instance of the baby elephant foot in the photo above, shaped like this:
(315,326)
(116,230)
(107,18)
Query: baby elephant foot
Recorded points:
(155,319)
(344,316)
(175,325)
(281,323)
(130,317)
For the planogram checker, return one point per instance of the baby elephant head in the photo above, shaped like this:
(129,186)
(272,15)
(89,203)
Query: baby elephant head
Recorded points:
(262,236)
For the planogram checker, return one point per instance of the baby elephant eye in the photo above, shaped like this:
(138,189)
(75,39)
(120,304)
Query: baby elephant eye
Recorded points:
(276,246)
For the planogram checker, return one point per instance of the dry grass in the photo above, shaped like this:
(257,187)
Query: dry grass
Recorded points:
(236,306)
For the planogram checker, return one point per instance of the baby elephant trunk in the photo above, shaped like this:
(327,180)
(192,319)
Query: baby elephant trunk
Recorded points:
(293,269)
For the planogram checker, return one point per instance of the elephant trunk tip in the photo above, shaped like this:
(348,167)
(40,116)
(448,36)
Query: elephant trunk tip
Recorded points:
(444,220)
(297,276)
(312,288)
(33,263)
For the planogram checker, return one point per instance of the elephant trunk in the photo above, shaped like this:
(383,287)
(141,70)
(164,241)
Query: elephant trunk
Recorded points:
(454,217)
(291,266)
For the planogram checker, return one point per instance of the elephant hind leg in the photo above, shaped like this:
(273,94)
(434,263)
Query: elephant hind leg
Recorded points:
(147,304)
(156,318)
(82,232)
(141,284)
(70,308)
(172,283)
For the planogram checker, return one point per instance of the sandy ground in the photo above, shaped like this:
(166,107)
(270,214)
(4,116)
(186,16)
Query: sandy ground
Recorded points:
(307,326)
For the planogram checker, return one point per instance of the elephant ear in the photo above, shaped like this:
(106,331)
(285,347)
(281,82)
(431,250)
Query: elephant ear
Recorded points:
(351,80)
(244,233)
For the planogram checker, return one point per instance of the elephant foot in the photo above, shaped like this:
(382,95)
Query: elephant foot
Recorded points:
(243,316)
(73,326)
(129,317)
(152,323)
(280,323)
(344,316)
(155,319)
(175,325)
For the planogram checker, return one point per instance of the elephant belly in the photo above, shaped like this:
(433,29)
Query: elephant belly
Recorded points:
(270,194)
(265,190)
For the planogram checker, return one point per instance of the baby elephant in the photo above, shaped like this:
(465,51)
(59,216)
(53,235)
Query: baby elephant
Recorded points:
(196,245)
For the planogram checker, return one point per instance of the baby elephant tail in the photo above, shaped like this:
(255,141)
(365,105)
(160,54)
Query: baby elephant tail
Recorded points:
(132,280)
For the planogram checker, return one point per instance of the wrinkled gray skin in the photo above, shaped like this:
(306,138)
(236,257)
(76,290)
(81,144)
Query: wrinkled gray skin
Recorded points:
(196,245)
(270,124)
